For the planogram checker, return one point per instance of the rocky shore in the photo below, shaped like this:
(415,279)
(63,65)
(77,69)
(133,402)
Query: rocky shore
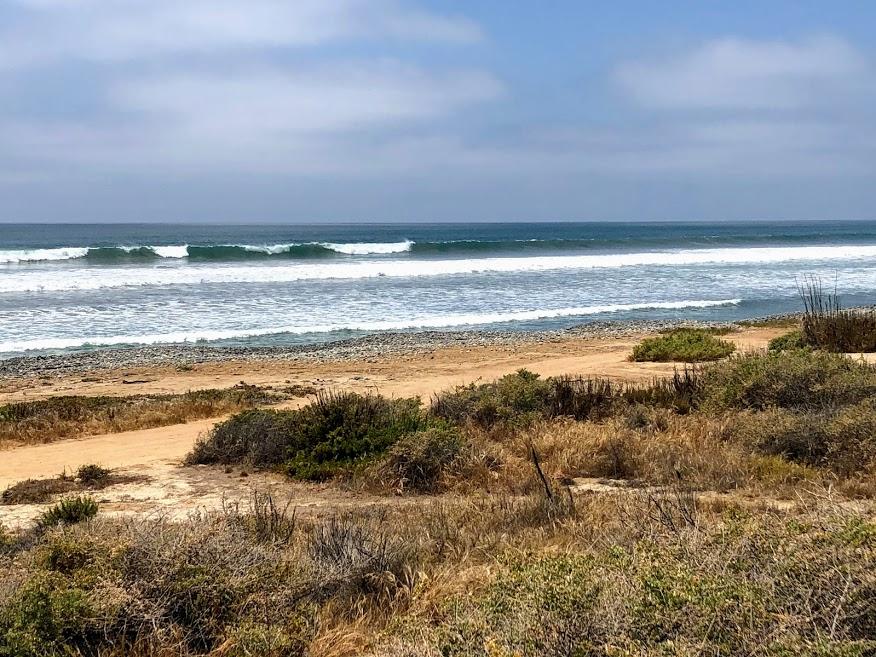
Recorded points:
(362,348)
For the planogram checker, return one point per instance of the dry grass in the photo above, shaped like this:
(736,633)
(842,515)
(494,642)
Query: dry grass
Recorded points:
(87,478)
(514,574)
(827,325)
(692,556)
(54,418)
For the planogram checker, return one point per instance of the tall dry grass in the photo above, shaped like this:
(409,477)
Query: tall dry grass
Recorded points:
(54,418)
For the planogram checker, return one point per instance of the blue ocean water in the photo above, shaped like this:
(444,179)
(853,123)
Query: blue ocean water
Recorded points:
(85,286)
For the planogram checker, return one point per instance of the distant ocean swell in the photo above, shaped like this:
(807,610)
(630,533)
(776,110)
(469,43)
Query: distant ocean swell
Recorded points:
(115,277)
(217,252)
(321,250)
(426,322)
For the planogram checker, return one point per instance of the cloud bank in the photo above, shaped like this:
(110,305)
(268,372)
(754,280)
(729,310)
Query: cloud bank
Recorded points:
(144,93)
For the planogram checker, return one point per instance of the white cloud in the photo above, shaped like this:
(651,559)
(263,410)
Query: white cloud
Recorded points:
(273,102)
(739,74)
(118,30)
(342,118)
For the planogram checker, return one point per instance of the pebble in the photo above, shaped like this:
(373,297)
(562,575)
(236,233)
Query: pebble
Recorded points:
(370,348)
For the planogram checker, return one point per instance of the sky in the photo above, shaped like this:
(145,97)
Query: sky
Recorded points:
(405,110)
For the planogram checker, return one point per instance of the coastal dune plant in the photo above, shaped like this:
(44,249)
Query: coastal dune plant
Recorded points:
(790,379)
(332,435)
(419,460)
(827,325)
(522,398)
(788,341)
(69,511)
(689,345)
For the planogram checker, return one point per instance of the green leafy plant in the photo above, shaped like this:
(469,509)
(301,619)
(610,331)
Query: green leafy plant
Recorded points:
(683,345)
(69,511)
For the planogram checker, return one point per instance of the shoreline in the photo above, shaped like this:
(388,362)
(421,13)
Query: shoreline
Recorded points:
(365,348)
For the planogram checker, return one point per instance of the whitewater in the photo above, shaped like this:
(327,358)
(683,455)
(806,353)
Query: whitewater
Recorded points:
(79,279)
(77,287)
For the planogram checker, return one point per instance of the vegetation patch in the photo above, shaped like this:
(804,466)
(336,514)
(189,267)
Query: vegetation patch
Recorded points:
(419,460)
(69,511)
(63,417)
(683,345)
(788,341)
(523,397)
(40,491)
(827,325)
(842,439)
(791,379)
(332,435)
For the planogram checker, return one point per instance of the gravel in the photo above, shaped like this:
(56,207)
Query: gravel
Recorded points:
(370,347)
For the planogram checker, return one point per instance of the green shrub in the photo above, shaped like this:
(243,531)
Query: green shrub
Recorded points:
(331,435)
(789,379)
(418,460)
(523,397)
(341,430)
(515,397)
(258,437)
(69,511)
(788,341)
(47,616)
(842,439)
(683,345)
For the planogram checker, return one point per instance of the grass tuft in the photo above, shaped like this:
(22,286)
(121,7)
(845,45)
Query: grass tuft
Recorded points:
(827,325)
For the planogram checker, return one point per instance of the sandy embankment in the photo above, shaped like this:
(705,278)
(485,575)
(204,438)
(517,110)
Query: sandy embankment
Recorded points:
(158,452)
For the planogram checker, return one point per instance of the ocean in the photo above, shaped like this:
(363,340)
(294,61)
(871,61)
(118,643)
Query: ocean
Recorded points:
(67,287)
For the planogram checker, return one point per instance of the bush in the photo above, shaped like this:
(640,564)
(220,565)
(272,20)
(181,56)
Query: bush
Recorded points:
(515,397)
(418,461)
(69,511)
(787,342)
(47,616)
(93,476)
(790,379)
(333,434)
(523,397)
(258,437)
(684,345)
(842,439)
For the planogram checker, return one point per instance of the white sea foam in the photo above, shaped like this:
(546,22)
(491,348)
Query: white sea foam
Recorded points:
(368,248)
(430,321)
(37,255)
(112,277)
(271,249)
(170,251)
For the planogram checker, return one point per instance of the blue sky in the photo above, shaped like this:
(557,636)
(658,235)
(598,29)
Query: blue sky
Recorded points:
(394,110)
